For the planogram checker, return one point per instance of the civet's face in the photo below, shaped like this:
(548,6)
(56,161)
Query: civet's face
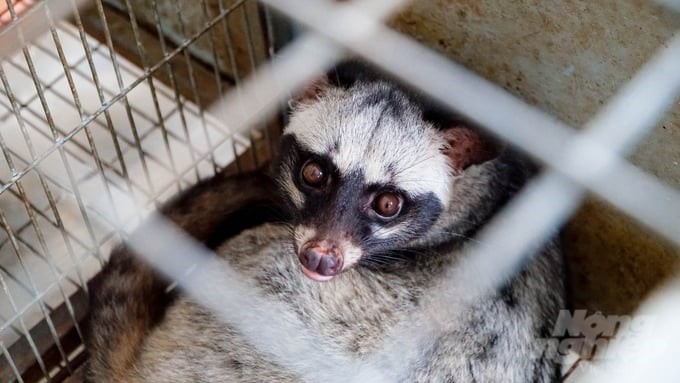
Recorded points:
(364,174)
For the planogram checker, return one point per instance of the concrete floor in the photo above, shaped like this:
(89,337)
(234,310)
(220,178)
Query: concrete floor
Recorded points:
(569,57)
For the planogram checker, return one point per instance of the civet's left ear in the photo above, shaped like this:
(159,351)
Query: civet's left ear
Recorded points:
(311,92)
(466,147)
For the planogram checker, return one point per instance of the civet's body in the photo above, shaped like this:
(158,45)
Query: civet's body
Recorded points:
(380,198)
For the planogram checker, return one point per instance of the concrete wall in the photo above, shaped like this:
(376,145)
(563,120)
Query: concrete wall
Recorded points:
(569,57)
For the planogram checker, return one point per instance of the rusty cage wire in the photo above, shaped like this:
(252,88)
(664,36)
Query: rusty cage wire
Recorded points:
(107,114)
(110,102)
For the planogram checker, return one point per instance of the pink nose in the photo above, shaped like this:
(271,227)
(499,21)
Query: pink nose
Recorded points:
(321,257)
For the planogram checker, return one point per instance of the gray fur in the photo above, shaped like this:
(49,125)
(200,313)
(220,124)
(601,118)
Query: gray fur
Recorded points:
(383,308)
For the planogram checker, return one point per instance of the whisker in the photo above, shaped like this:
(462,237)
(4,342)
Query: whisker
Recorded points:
(414,164)
(471,239)
(405,181)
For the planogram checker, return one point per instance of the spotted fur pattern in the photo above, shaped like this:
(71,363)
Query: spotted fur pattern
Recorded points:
(371,136)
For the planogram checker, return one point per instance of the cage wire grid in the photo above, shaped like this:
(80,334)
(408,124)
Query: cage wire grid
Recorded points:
(57,168)
(577,162)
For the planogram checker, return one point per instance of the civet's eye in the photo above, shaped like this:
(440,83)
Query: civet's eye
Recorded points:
(313,174)
(387,205)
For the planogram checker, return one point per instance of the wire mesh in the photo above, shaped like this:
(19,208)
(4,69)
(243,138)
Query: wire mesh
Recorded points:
(81,121)
(80,181)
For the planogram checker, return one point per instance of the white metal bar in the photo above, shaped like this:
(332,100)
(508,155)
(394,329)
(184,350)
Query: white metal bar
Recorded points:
(674,4)
(640,103)
(260,94)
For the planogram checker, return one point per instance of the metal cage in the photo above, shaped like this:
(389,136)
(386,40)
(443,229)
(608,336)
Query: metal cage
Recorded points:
(107,114)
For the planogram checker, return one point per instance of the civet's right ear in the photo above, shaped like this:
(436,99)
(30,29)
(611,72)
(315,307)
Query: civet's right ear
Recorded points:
(466,147)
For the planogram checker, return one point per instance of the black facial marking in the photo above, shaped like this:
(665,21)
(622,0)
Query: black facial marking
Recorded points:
(419,211)
(294,156)
(389,99)
(339,210)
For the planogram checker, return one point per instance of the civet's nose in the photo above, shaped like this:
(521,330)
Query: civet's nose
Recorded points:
(321,260)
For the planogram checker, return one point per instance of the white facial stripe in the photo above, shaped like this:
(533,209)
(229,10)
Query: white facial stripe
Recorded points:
(286,182)
(303,234)
(416,165)
(354,141)
(431,174)
(382,232)
(315,125)
(351,254)
(295,195)
(375,172)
